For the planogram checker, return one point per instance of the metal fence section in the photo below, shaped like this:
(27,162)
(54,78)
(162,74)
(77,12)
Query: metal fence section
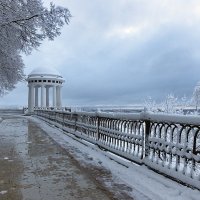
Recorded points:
(166,143)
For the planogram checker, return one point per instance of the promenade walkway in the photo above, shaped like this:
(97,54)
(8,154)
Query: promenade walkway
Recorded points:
(40,162)
(34,167)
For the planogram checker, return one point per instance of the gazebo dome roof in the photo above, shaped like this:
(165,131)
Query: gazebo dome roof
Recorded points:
(45,71)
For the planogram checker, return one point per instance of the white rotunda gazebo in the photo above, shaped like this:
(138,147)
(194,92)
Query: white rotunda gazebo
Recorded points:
(40,82)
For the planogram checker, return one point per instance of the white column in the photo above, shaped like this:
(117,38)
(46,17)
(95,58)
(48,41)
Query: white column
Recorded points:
(60,102)
(31,99)
(58,98)
(36,96)
(42,96)
(47,96)
(54,96)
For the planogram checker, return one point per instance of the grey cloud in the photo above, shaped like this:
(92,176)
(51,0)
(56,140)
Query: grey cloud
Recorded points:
(157,67)
(121,70)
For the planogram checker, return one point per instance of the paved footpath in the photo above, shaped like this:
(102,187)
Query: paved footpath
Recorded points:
(34,167)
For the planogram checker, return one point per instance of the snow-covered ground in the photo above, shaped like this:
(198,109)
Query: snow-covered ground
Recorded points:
(145,183)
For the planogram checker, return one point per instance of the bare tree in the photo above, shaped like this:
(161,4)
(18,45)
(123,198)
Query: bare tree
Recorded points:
(24,24)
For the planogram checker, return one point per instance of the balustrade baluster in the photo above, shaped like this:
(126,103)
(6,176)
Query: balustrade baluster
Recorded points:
(146,140)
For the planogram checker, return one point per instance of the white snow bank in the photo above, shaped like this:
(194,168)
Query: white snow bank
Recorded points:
(145,183)
(3,192)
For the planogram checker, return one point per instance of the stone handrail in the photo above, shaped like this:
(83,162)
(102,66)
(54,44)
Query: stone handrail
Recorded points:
(169,144)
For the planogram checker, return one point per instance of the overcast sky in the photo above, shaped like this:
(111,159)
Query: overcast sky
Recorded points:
(119,52)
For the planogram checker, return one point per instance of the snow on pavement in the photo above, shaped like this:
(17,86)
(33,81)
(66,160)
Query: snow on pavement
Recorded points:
(145,183)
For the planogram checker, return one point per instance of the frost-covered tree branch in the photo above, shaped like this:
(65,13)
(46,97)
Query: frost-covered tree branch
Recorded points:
(170,104)
(196,96)
(24,24)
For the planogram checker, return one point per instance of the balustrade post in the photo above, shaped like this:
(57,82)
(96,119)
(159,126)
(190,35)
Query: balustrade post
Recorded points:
(63,119)
(54,115)
(146,138)
(49,118)
(98,124)
(75,122)
(194,151)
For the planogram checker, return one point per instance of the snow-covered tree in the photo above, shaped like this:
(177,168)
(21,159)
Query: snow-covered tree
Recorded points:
(24,24)
(170,104)
(184,102)
(11,71)
(150,104)
(196,96)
